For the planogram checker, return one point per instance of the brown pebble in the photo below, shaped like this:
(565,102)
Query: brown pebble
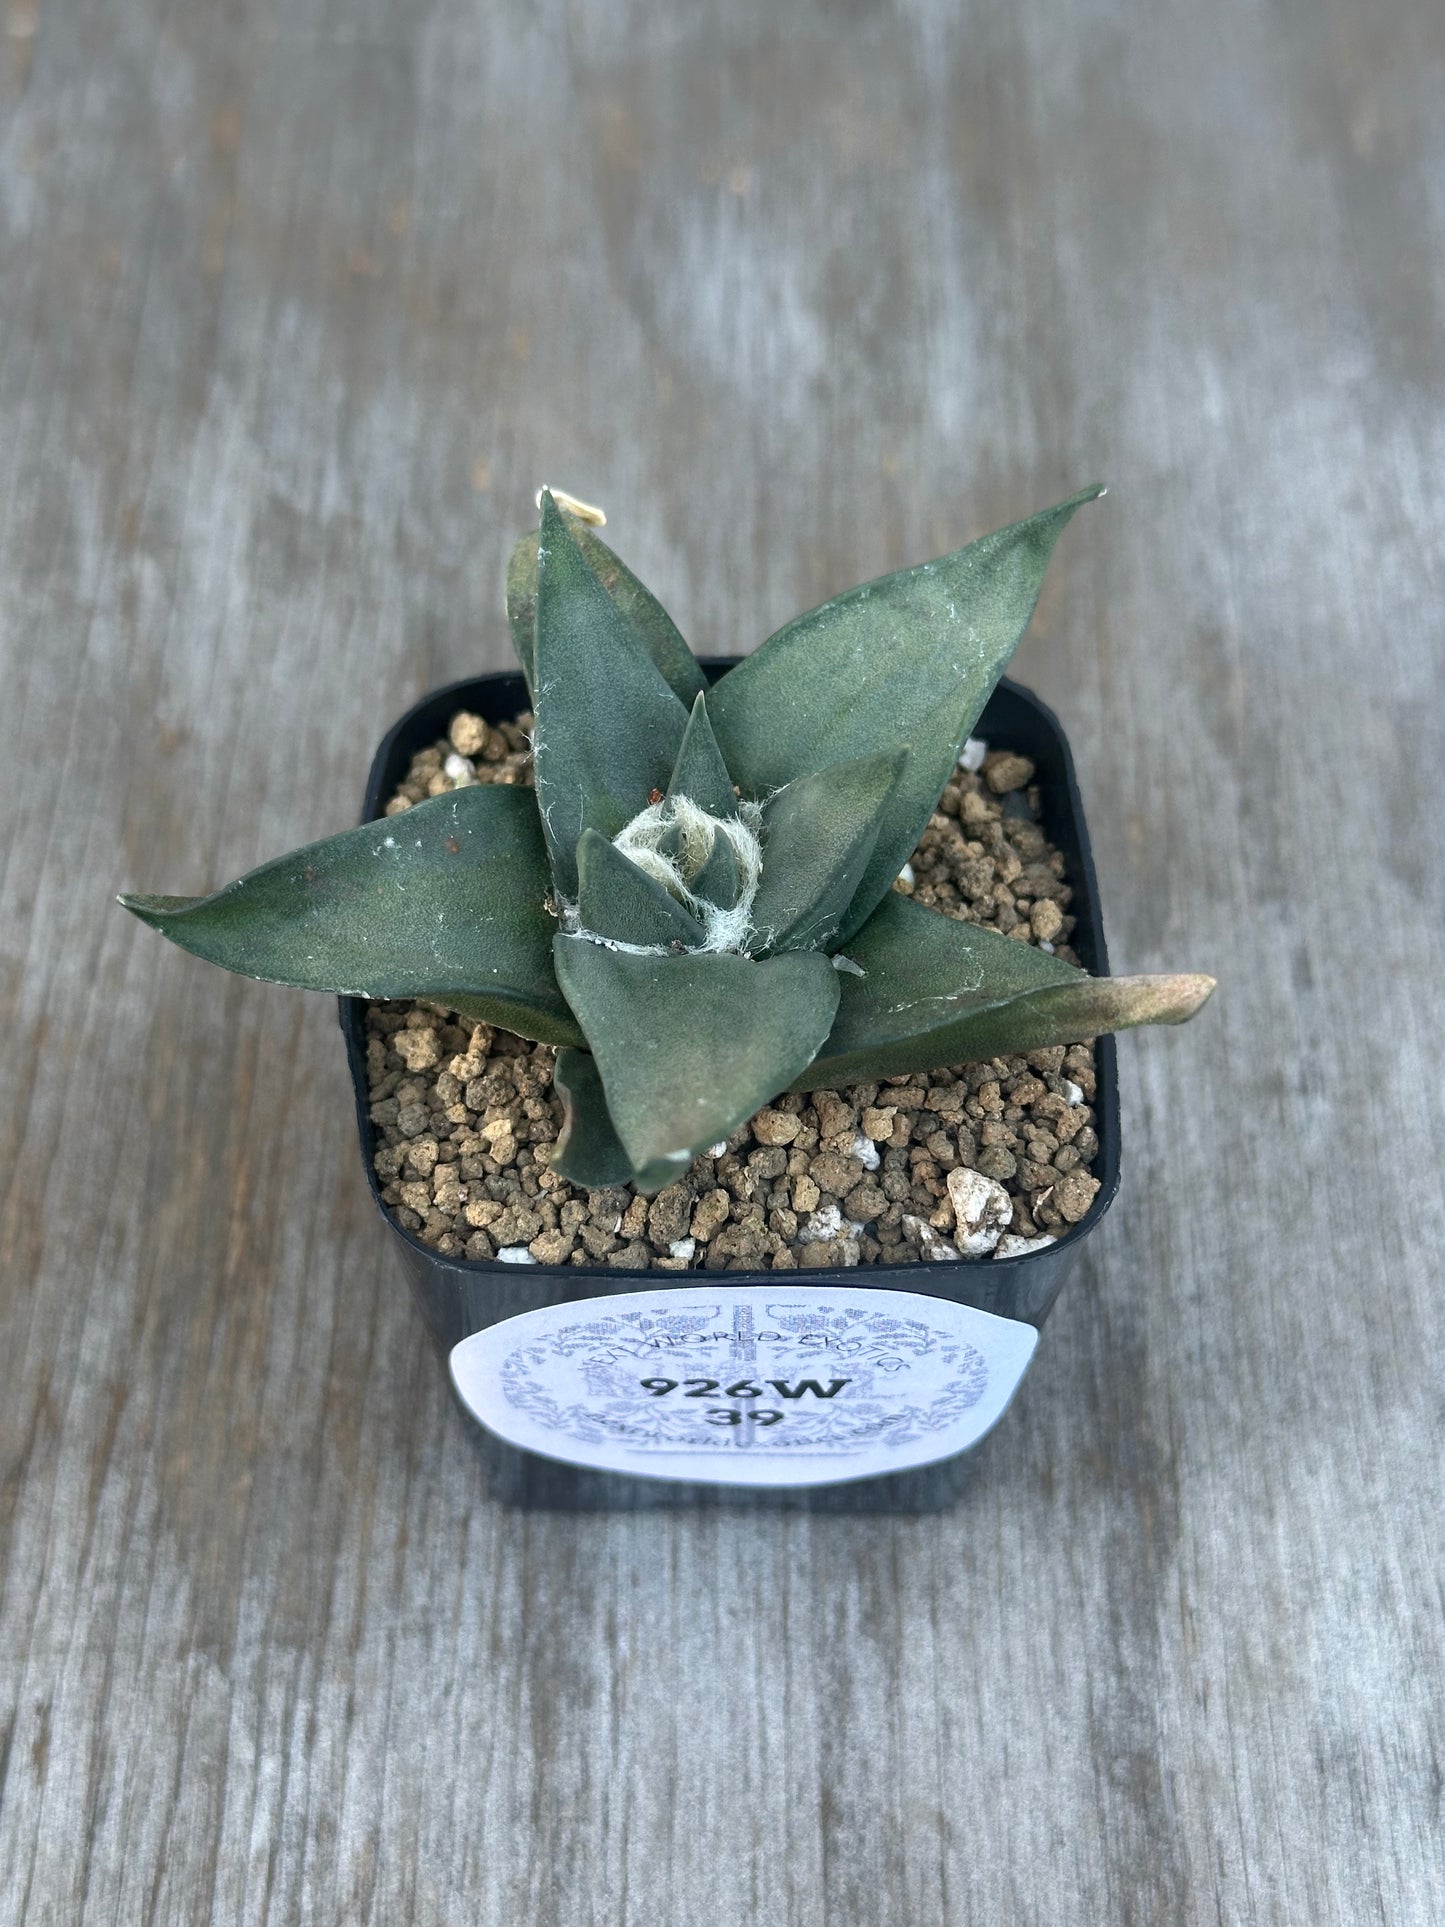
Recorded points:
(668,1216)
(448,1195)
(1046,920)
(417,1049)
(630,1257)
(866,1203)
(1074,1193)
(835,1116)
(597,1241)
(817,1254)
(711,1214)
(553,1247)
(836,1175)
(421,1156)
(516,1226)
(468,733)
(997,1163)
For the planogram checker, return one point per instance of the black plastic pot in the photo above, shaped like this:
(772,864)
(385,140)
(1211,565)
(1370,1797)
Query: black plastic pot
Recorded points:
(460,1297)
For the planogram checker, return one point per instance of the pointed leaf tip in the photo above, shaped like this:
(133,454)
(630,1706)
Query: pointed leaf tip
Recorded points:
(635,603)
(700,773)
(446,903)
(939,990)
(1159,1000)
(819,836)
(573,505)
(910,657)
(609,725)
(150,908)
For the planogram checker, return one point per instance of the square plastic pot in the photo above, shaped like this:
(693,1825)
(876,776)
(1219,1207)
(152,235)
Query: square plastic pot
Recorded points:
(460,1297)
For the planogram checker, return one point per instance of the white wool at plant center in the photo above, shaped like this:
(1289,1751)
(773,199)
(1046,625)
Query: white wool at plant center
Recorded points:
(677,819)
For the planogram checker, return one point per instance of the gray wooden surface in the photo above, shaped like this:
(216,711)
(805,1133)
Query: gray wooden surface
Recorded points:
(300,303)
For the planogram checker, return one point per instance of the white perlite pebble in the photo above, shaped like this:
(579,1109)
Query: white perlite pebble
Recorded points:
(717,1150)
(935,1250)
(1072,1093)
(983,1208)
(1013,1246)
(684,1248)
(974,751)
(459,769)
(905,875)
(866,1152)
(515,1255)
(822,1225)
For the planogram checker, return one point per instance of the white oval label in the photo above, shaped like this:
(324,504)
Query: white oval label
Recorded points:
(751,1385)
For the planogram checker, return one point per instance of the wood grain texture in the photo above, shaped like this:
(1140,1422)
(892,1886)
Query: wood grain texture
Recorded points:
(300,304)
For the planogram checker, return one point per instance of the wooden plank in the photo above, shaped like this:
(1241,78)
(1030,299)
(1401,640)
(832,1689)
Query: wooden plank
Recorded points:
(301,304)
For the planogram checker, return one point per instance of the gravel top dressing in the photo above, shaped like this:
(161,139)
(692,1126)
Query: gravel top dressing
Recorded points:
(978,1160)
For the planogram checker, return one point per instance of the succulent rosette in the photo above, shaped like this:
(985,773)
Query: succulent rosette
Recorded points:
(695,902)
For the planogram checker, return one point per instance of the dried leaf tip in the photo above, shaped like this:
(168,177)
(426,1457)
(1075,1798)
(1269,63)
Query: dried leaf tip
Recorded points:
(1159,1000)
(570,505)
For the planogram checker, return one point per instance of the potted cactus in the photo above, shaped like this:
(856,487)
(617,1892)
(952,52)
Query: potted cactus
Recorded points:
(693,904)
